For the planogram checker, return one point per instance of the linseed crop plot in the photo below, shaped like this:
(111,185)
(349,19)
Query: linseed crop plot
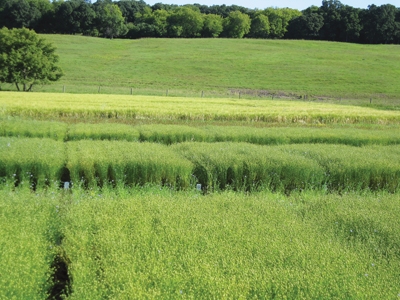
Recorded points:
(47,105)
(192,65)
(152,243)
(198,132)
(35,162)
(216,166)
(28,243)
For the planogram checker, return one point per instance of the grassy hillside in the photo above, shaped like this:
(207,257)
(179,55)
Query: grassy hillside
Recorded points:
(220,65)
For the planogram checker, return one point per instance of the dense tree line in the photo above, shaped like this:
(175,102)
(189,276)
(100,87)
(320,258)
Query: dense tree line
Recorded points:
(332,21)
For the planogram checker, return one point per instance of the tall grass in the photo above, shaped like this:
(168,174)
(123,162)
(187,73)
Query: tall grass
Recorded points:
(349,168)
(102,131)
(216,166)
(33,161)
(243,166)
(293,167)
(176,133)
(21,127)
(170,134)
(99,163)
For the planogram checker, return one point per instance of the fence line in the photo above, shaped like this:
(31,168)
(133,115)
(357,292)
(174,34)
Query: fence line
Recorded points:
(203,93)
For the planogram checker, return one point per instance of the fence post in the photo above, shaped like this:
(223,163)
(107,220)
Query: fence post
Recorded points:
(370,100)
(166,93)
(99,89)
(202,94)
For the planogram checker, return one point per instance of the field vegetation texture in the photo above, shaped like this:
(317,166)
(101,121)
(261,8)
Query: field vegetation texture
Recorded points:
(53,106)
(152,243)
(160,197)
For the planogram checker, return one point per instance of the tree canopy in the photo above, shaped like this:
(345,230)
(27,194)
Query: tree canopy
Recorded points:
(26,59)
(332,20)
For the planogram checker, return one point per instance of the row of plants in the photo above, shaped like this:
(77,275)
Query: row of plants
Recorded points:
(28,229)
(156,243)
(125,107)
(171,134)
(237,166)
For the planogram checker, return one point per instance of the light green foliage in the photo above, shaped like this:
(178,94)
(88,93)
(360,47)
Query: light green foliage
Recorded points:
(34,162)
(102,131)
(174,133)
(161,245)
(293,167)
(171,134)
(124,231)
(112,22)
(152,243)
(279,20)
(27,59)
(18,127)
(236,25)
(155,21)
(237,166)
(241,166)
(362,222)
(100,163)
(212,25)
(259,26)
(27,245)
(46,105)
(185,22)
(302,135)
(349,168)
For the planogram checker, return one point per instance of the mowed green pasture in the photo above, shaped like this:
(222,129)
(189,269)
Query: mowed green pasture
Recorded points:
(220,65)
(155,108)
(151,243)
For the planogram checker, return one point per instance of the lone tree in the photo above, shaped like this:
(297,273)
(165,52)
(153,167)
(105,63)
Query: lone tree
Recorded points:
(26,59)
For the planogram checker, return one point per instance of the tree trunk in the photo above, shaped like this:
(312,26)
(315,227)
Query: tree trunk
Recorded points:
(30,88)
(17,86)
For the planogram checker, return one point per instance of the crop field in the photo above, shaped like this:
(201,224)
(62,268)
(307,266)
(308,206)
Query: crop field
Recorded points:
(216,166)
(165,197)
(152,243)
(176,133)
(47,105)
